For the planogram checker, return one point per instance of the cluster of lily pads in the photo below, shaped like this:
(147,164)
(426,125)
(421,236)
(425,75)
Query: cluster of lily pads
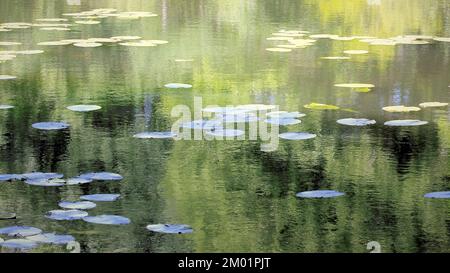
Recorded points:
(26,237)
(295,39)
(90,17)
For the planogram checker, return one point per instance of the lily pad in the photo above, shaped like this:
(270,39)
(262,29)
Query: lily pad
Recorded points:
(158,135)
(284,114)
(10,177)
(78,181)
(107,220)
(321,106)
(400,109)
(356,52)
(100,197)
(438,195)
(7,77)
(405,122)
(50,125)
(141,43)
(283,121)
(278,49)
(170,228)
(442,39)
(359,87)
(297,136)
(356,121)
(51,238)
(20,231)
(319,194)
(225,133)
(30,52)
(39,175)
(84,108)
(101,176)
(9,43)
(19,244)
(430,104)
(79,205)
(46,182)
(4,106)
(178,85)
(202,124)
(87,22)
(7,215)
(62,215)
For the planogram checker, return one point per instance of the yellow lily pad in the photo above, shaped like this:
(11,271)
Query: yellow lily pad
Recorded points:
(401,109)
(321,106)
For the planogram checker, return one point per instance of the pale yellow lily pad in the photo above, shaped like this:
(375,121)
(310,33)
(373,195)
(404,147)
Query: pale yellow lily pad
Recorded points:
(87,44)
(321,106)
(356,51)
(433,104)
(359,87)
(278,49)
(401,109)
(335,58)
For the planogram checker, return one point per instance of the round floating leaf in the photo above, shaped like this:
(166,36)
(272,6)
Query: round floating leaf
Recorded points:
(84,108)
(39,175)
(405,122)
(51,238)
(50,125)
(442,39)
(226,133)
(424,104)
(321,106)
(156,42)
(178,85)
(184,60)
(297,136)
(138,44)
(284,114)
(20,231)
(4,106)
(19,244)
(237,118)
(400,109)
(356,52)
(356,121)
(359,87)
(100,197)
(101,176)
(10,177)
(319,194)
(30,52)
(78,181)
(107,220)
(7,215)
(52,20)
(9,43)
(438,195)
(87,44)
(7,77)
(170,228)
(158,135)
(278,49)
(43,182)
(87,22)
(283,121)
(61,215)
(79,205)
(202,125)
(55,28)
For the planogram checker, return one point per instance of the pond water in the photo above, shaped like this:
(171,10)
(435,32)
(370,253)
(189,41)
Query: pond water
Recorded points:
(236,197)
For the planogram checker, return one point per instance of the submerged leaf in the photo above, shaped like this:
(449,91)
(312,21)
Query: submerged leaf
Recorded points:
(319,194)
(107,220)
(170,228)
